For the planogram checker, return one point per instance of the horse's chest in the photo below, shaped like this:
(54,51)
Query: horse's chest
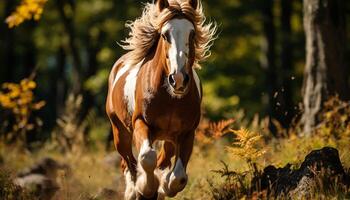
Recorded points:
(172,117)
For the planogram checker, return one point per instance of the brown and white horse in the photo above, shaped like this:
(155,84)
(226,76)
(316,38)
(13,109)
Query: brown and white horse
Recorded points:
(155,94)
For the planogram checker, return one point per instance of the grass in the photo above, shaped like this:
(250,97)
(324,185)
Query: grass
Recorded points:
(247,149)
(90,174)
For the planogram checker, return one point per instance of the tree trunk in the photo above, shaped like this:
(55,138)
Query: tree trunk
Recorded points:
(325,70)
(60,83)
(30,50)
(8,47)
(286,95)
(70,31)
(92,47)
(268,59)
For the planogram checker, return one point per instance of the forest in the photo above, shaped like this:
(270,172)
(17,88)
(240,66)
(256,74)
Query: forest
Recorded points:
(276,100)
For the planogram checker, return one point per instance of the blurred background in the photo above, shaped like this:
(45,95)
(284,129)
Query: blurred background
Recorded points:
(54,68)
(257,62)
(260,50)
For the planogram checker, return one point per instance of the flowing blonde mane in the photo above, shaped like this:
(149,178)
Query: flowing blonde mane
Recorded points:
(146,29)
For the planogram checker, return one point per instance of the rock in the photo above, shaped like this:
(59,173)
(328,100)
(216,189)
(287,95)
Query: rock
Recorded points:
(319,167)
(41,186)
(46,166)
(40,179)
(325,158)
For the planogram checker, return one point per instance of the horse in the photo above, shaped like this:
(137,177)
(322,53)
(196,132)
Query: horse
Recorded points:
(154,94)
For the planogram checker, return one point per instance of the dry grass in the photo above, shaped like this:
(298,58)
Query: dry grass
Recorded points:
(89,174)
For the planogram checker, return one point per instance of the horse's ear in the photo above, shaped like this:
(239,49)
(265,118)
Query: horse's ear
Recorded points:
(193,3)
(161,4)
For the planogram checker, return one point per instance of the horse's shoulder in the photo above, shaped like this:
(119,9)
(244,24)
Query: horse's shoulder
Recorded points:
(116,67)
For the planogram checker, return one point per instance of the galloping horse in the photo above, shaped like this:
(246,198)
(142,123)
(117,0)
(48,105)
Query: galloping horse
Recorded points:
(155,94)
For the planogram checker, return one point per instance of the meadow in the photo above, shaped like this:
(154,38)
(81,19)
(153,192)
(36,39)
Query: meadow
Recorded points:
(222,149)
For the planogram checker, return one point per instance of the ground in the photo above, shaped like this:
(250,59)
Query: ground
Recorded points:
(90,173)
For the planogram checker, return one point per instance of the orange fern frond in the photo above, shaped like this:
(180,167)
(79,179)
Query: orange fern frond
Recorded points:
(220,128)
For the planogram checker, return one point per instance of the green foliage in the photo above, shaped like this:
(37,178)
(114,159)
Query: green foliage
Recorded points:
(232,78)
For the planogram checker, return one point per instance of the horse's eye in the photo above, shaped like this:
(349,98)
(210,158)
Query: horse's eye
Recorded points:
(166,36)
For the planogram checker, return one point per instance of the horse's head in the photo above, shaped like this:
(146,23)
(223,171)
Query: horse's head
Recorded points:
(178,37)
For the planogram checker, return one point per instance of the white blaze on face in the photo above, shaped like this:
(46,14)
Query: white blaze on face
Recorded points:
(179,31)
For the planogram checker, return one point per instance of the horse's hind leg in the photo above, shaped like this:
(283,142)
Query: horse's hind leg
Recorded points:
(165,155)
(146,183)
(164,165)
(123,144)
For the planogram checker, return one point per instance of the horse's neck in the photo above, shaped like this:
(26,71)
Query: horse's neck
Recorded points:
(156,68)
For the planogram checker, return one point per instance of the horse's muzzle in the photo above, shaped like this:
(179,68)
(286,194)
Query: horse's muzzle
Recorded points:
(179,82)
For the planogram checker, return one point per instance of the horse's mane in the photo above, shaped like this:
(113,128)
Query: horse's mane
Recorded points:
(146,29)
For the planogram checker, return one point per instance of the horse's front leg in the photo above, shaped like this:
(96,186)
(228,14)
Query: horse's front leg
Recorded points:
(146,183)
(176,180)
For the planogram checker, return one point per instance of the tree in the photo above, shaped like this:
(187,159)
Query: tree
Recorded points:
(325,69)
(7,47)
(268,60)
(287,107)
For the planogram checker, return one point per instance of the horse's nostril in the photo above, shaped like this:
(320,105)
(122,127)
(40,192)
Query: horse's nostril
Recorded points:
(172,80)
(183,181)
(186,79)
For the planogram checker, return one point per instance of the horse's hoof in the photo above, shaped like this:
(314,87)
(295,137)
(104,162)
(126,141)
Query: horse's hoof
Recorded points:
(178,178)
(174,184)
(177,185)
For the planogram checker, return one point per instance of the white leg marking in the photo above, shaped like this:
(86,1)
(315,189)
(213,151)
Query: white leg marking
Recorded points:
(130,87)
(130,188)
(147,184)
(147,157)
(178,178)
(198,82)
(174,181)
(163,176)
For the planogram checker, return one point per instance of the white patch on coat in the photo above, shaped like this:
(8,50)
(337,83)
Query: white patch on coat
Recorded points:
(130,193)
(171,182)
(163,176)
(120,73)
(147,157)
(145,148)
(179,31)
(147,184)
(198,82)
(130,87)
(179,171)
